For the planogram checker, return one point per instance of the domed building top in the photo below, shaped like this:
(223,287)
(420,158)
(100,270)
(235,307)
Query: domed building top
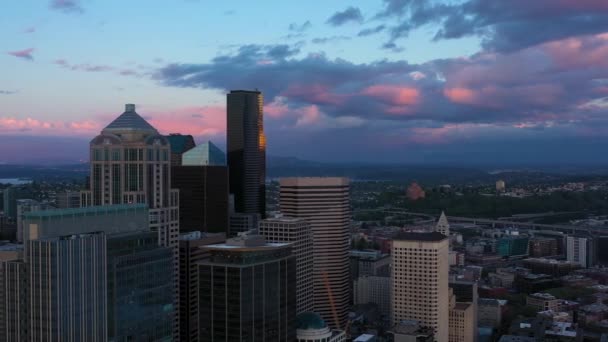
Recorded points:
(129,121)
(310,321)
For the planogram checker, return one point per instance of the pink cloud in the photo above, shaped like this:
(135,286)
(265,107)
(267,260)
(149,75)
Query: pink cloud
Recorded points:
(198,121)
(309,116)
(25,53)
(579,52)
(393,94)
(41,127)
(276,109)
(460,95)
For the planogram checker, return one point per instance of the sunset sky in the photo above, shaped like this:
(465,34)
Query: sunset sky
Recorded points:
(470,81)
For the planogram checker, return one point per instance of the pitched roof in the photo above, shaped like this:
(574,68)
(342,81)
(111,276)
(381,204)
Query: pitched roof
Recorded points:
(130,120)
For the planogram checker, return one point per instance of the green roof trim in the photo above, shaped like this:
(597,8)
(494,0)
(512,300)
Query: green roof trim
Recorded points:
(86,211)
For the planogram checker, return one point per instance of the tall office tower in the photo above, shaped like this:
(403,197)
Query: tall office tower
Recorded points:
(13,294)
(180,144)
(138,270)
(324,202)
(248,291)
(139,286)
(419,281)
(299,234)
(190,253)
(443,226)
(582,250)
(67,199)
(241,223)
(202,181)
(60,310)
(130,163)
(25,206)
(462,322)
(247,151)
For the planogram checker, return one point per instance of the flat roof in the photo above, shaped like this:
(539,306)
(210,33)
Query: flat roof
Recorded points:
(429,237)
(85,210)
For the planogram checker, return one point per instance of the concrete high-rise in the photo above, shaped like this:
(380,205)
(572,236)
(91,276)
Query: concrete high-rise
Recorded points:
(247,291)
(25,206)
(246,147)
(190,254)
(462,324)
(419,281)
(582,250)
(131,163)
(298,233)
(324,202)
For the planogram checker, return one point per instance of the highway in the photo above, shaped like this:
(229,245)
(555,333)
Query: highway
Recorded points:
(502,223)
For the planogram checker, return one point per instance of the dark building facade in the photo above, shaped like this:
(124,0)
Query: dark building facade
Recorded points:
(13,305)
(246,147)
(247,292)
(61,310)
(180,144)
(140,288)
(542,247)
(203,197)
(190,253)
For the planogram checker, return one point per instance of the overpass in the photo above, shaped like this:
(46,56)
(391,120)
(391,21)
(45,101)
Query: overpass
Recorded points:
(500,223)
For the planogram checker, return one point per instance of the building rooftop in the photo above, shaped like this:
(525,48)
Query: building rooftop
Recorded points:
(310,321)
(364,338)
(428,237)
(179,142)
(197,235)
(545,296)
(130,120)
(461,306)
(10,247)
(85,211)
(247,241)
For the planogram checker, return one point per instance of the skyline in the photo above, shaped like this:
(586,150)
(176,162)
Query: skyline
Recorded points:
(380,81)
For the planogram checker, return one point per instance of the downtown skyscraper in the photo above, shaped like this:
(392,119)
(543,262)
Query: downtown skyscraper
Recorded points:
(131,163)
(246,147)
(325,204)
(419,281)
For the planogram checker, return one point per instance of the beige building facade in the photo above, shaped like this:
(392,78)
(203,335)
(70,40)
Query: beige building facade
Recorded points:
(325,204)
(419,281)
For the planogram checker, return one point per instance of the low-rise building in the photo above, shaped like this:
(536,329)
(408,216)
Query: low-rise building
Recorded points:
(552,267)
(489,312)
(411,331)
(543,302)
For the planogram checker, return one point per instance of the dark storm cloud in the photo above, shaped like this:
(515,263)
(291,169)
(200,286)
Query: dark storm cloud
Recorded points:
(371,31)
(351,14)
(502,25)
(8,92)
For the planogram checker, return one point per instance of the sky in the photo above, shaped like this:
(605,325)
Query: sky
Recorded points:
(389,81)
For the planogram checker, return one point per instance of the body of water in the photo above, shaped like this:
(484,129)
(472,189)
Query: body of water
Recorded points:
(15,181)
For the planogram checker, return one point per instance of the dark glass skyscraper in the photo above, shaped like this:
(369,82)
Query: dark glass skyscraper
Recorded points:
(247,151)
(140,288)
(247,291)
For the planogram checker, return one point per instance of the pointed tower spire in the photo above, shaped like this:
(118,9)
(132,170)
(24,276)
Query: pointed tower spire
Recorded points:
(443,226)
